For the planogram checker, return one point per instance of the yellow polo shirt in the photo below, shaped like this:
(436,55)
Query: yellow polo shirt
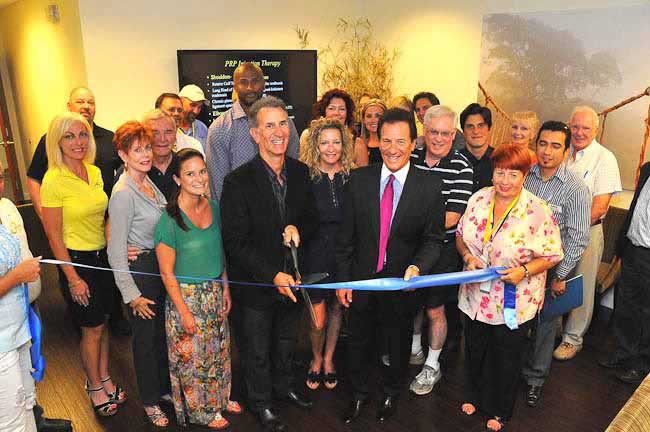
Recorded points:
(84,206)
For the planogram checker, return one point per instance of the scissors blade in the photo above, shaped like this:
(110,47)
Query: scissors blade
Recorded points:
(303,291)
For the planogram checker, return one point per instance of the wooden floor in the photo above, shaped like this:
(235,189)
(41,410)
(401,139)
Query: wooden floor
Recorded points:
(579,395)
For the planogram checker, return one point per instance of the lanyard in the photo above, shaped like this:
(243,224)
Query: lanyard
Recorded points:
(490,230)
(193,134)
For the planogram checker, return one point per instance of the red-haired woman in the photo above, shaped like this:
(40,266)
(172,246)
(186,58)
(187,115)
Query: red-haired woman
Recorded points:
(504,225)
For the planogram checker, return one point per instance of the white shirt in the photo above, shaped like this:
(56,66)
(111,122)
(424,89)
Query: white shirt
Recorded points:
(597,167)
(639,232)
(186,141)
(398,184)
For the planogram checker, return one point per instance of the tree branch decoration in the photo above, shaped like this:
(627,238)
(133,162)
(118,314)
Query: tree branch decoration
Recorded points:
(355,61)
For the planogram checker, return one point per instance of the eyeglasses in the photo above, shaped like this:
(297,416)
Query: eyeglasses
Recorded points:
(436,133)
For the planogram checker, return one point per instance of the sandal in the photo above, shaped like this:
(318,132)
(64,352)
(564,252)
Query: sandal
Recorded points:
(219,423)
(495,424)
(313,379)
(105,409)
(234,408)
(118,396)
(330,380)
(468,408)
(157,417)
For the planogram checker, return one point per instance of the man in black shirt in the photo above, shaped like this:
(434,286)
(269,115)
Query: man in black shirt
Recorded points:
(476,121)
(164,163)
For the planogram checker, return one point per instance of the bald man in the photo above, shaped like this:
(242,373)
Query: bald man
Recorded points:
(229,142)
(82,101)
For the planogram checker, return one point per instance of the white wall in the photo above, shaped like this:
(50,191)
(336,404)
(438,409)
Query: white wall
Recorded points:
(131,46)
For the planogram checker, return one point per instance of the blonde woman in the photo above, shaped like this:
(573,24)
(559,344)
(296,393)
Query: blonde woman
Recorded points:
(523,131)
(366,147)
(329,158)
(74,207)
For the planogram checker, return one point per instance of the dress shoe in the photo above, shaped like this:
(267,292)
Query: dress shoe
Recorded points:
(298,400)
(533,395)
(632,376)
(353,411)
(53,425)
(387,408)
(270,420)
(611,361)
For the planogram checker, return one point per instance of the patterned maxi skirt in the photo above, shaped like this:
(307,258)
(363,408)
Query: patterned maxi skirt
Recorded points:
(199,364)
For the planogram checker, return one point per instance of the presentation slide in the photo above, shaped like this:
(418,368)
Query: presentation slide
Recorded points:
(290,75)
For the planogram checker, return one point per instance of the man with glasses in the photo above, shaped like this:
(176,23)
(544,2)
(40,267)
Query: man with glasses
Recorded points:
(476,122)
(598,168)
(456,174)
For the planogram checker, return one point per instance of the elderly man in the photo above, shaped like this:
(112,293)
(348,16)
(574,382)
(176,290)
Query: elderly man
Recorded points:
(229,142)
(193,100)
(422,102)
(569,198)
(456,173)
(171,104)
(598,168)
(393,219)
(266,204)
(164,159)
(632,316)
(476,122)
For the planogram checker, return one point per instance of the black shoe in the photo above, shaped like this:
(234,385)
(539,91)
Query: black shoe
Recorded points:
(353,411)
(270,421)
(298,400)
(387,408)
(120,327)
(53,425)
(533,395)
(632,376)
(611,361)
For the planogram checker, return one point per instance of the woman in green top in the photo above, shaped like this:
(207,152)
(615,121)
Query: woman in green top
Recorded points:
(188,244)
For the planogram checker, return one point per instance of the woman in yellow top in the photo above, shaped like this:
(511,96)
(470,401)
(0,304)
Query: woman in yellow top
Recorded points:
(74,208)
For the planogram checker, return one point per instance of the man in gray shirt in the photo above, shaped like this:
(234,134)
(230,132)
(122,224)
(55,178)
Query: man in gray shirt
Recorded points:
(229,143)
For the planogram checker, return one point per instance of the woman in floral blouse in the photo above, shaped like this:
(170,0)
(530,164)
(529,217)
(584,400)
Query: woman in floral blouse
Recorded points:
(504,226)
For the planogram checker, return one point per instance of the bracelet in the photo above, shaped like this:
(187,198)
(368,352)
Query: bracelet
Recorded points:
(526,272)
(465,254)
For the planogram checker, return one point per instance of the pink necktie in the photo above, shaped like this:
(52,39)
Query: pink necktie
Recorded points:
(385,213)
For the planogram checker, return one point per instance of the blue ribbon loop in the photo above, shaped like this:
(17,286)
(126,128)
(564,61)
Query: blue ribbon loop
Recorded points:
(35,330)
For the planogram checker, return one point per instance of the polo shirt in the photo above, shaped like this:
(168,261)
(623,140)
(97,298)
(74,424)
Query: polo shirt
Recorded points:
(597,167)
(164,181)
(457,177)
(186,141)
(106,158)
(84,206)
(482,168)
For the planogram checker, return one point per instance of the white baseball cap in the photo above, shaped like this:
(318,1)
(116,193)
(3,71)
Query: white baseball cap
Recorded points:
(193,93)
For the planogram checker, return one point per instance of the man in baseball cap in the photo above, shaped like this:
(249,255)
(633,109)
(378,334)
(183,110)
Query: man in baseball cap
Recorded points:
(193,100)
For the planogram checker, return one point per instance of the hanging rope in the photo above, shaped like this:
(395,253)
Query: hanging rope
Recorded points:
(500,123)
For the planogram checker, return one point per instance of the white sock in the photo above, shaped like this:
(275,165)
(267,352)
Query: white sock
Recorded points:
(432,358)
(416,345)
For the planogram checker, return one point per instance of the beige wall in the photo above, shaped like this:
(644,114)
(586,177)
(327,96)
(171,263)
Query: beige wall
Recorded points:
(43,60)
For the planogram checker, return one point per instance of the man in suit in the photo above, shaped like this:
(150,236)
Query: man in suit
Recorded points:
(393,226)
(632,304)
(265,204)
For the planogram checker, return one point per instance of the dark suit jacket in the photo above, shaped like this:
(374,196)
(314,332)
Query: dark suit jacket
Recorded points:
(416,234)
(623,240)
(252,227)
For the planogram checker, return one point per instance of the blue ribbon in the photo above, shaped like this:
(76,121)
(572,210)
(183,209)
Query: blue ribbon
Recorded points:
(384,284)
(510,306)
(35,330)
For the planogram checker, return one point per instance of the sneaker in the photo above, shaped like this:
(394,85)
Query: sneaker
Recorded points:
(385,360)
(566,351)
(424,381)
(417,359)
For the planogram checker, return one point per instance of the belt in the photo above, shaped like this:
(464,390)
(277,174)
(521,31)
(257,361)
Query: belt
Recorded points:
(95,253)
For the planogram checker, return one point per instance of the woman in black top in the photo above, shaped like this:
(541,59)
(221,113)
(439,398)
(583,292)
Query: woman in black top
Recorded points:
(366,146)
(329,158)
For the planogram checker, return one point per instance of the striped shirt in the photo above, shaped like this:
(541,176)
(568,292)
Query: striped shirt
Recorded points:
(569,198)
(457,176)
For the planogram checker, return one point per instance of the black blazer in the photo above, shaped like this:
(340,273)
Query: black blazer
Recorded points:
(416,234)
(252,227)
(622,239)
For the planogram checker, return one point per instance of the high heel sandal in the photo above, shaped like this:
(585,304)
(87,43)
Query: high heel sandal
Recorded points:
(118,396)
(105,409)
(233,407)
(157,417)
(219,422)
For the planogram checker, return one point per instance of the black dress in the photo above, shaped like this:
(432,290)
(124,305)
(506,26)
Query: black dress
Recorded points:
(374,155)
(319,256)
